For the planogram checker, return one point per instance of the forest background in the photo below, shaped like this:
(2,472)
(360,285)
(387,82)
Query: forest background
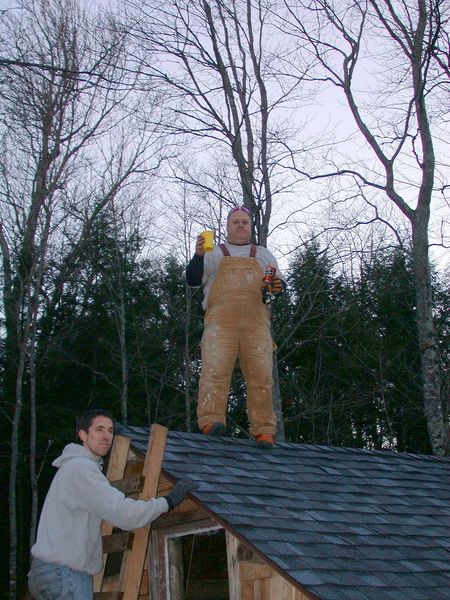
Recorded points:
(127,128)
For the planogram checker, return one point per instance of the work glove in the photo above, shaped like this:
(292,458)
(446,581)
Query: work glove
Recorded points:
(179,492)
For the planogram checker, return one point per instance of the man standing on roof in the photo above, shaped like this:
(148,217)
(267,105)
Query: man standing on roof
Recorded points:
(68,550)
(237,326)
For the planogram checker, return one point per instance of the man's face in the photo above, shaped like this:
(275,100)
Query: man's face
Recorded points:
(239,228)
(98,438)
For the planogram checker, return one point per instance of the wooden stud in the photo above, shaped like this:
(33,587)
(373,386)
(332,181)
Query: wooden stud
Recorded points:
(176,568)
(234,583)
(154,567)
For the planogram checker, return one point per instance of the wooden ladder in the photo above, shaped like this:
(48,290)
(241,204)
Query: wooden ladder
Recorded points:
(129,583)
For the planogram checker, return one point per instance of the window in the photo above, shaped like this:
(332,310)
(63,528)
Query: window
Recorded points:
(196,565)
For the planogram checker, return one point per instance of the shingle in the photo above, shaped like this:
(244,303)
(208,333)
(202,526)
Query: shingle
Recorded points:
(345,523)
(311,577)
(331,592)
(389,594)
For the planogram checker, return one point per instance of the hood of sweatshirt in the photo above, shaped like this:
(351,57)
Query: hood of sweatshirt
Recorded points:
(74,451)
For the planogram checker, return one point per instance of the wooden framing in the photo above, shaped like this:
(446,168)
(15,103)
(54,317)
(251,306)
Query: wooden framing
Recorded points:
(152,556)
(132,582)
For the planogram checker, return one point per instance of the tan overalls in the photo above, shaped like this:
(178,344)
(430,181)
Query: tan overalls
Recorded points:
(237,325)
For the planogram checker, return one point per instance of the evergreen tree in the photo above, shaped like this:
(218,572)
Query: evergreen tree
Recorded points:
(311,352)
(349,357)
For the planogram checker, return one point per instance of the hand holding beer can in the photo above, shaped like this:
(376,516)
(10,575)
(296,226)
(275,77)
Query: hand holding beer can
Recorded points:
(268,278)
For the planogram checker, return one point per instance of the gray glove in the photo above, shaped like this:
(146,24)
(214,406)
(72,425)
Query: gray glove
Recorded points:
(179,492)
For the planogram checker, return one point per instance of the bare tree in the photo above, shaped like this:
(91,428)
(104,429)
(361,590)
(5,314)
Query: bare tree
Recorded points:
(389,60)
(63,89)
(215,62)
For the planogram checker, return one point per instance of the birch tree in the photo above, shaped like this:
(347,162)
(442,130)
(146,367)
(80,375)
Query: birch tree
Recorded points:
(214,60)
(388,59)
(63,88)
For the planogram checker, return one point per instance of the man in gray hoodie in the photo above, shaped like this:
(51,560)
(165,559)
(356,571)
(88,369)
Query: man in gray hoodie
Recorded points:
(68,549)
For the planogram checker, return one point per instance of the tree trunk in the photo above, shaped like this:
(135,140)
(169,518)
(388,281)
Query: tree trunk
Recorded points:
(437,425)
(187,378)
(33,421)
(121,328)
(276,398)
(280,433)
(13,472)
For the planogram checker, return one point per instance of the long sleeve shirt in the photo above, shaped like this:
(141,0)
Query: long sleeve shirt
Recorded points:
(201,270)
(79,498)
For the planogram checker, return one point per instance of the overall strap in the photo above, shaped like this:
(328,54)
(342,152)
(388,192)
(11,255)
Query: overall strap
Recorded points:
(224,250)
(226,253)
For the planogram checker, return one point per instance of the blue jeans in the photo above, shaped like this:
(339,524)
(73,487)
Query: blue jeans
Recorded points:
(50,581)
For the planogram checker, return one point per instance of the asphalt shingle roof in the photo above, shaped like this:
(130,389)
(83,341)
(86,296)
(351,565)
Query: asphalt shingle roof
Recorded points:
(344,523)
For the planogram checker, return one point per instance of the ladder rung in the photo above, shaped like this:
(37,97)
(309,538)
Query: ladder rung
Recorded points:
(117,542)
(129,485)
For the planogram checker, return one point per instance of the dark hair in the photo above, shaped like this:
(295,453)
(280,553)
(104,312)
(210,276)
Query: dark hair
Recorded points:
(84,421)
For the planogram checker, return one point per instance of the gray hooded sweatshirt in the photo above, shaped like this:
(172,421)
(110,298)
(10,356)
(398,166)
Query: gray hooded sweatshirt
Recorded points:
(79,498)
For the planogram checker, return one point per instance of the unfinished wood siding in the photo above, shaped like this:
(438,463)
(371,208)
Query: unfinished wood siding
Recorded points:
(260,582)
